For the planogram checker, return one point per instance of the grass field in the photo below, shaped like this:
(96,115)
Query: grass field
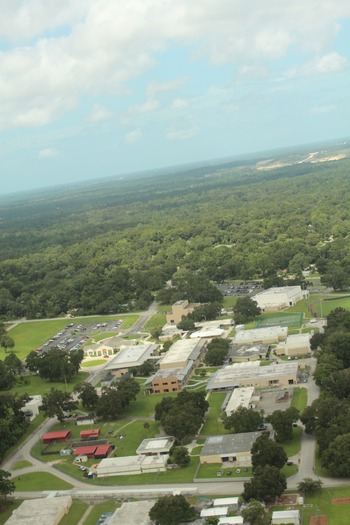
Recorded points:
(109,505)
(41,386)
(156,321)
(292,447)
(299,400)
(76,512)
(212,426)
(6,509)
(40,481)
(94,362)
(322,502)
(33,334)
(22,464)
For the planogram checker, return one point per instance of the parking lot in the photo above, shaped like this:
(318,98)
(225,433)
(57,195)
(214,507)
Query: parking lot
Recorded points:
(75,335)
(240,289)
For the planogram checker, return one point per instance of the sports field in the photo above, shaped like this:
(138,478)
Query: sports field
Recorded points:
(281,320)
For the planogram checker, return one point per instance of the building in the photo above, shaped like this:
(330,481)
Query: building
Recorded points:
(241,397)
(91,433)
(87,419)
(231,503)
(295,346)
(179,310)
(47,510)
(278,298)
(61,435)
(99,349)
(133,513)
(156,446)
(247,352)
(207,333)
(269,335)
(241,375)
(130,465)
(214,512)
(182,352)
(283,517)
(31,408)
(130,357)
(232,448)
(169,380)
(103,451)
(88,451)
(231,520)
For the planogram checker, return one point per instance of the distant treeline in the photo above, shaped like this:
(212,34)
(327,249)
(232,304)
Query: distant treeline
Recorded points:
(108,246)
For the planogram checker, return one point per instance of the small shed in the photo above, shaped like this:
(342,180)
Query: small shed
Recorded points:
(103,451)
(92,433)
(282,517)
(231,520)
(88,451)
(61,435)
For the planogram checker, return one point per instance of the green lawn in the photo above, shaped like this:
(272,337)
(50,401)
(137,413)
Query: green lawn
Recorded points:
(322,502)
(229,301)
(33,425)
(76,512)
(33,334)
(42,386)
(292,447)
(22,464)
(144,405)
(40,481)
(109,505)
(156,321)
(134,434)
(289,470)
(299,400)
(94,362)
(100,336)
(212,426)
(210,470)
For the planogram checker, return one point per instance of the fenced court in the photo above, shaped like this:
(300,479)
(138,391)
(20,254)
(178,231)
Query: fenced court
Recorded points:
(281,320)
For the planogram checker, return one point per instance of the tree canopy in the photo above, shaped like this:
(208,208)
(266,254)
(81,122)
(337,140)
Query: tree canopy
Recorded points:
(172,510)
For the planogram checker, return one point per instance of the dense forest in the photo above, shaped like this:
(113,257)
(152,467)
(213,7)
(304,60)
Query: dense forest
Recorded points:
(107,246)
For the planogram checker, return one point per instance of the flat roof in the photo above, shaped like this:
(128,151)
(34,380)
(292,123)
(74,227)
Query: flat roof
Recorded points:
(229,443)
(231,520)
(165,373)
(154,445)
(297,339)
(280,290)
(182,350)
(257,334)
(133,513)
(285,514)
(132,356)
(126,463)
(40,510)
(232,375)
(207,332)
(226,501)
(214,511)
(247,350)
(240,397)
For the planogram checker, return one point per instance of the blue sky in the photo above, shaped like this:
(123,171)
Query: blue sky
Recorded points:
(98,88)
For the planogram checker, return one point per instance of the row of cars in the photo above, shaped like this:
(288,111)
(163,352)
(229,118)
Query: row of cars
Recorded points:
(240,289)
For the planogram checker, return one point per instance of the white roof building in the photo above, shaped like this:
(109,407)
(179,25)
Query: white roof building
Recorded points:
(130,465)
(155,446)
(229,502)
(133,513)
(283,517)
(268,335)
(181,352)
(277,298)
(207,333)
(231,520)
(214,511)
(240,397)
(251,374)
(33,406)
(132,356)
(47,510)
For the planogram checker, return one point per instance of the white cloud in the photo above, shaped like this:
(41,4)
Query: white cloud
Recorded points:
(47,153)
(99,113)
(133,136)
(181,133)
(328,63)
(79,48)
(319,110)
(179,103)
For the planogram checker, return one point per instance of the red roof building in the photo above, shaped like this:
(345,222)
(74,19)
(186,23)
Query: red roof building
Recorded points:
(103,451)
(93,432)
(61,435)
(88,451)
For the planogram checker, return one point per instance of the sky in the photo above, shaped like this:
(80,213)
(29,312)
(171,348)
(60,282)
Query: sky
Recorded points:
(101,88)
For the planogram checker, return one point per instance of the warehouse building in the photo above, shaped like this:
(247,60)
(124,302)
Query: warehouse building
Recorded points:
(278,298)
(247,352)
(183,352)
(241,397)
(131,357)
(48,511)
(241,375)
(130,465)
(229,448)
(133,513)
(156,446)
(296,345)
(269,335)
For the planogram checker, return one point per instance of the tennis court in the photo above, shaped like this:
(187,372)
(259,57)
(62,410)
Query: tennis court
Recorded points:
(281,320)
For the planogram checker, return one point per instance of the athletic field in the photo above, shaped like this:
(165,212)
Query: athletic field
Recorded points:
(281,320)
